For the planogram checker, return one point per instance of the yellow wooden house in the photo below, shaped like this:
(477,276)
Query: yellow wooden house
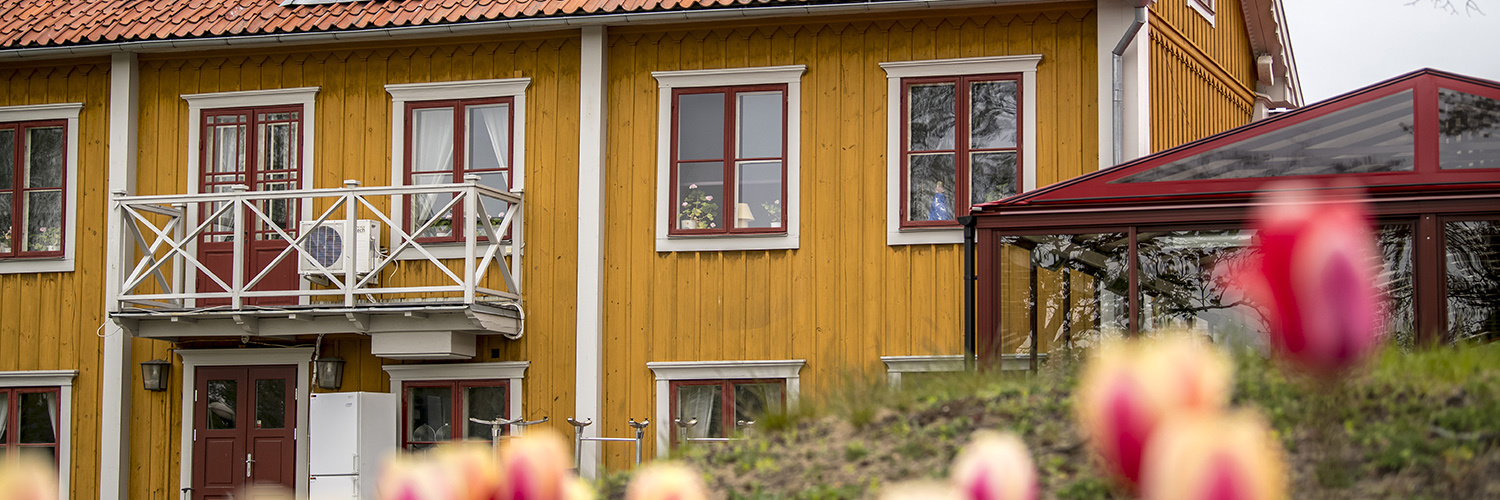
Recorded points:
(216,215)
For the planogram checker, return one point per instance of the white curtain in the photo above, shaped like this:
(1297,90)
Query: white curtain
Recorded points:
(51,400)
(434,153)
(497,125)
(698,402)
(4,412)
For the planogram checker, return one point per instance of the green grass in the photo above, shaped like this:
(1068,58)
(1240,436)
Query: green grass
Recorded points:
(1425,424)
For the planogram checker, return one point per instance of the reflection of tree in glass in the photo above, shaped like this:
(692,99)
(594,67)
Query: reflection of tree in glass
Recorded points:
(1463,113)
(1396,273)
(1189,275)
(1068,315)
(993,114)
(1473,249)
(932,117)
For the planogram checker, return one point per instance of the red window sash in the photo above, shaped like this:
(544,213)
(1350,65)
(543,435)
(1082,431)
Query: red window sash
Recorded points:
(458,421)
(729,159)
(18,191)
(12,442)
(961,150)
(726,402)
(251,158)
(460,158)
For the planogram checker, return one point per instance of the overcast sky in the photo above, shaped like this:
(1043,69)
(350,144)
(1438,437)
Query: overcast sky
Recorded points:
(1342,45)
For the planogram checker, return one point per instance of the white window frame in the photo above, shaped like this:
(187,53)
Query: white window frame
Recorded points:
(1204,8)
(63,381)
(791,76)
(897,365)
(512,371)
(39,112)
(198,103)
(403,93)
(1025,65)
(194,358)
(668,371)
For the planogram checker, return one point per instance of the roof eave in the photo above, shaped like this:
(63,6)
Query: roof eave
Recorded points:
(1265,20)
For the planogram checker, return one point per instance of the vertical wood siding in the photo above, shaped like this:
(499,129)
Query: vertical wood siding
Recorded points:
(353,141)
(1202,75)
(844,298)
(48,320)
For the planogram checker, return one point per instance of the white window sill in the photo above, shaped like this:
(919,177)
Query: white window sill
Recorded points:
(26,266)
(924,236)
(787,241)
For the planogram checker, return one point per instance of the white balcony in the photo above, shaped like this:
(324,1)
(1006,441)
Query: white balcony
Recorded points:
(280,263)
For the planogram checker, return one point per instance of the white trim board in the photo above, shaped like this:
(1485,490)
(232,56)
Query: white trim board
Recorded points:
(198,103)
(588,353)
(194,358)
(895,71)
(403,93)
(668,371)
(513,371)
(1113,18)
(791,76)
(115,374)
(63,111)
(897,365)
(63,381)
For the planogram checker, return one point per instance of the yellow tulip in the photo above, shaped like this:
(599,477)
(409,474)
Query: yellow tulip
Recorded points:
(1214,457)
(666,481)
(536,466)
(28,478)
(995,466)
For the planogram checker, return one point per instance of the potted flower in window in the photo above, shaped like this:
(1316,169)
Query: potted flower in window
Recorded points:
(44,239)
(698,210)
(5,240)
(774,209)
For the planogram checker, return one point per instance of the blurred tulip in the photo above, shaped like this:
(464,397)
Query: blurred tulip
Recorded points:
(473,469)
(1214,457)
(1131,386)
(578,489)
(1313,270)
(536,466)
(666,481)
(27,478)
(995,466)
(919,490)
(415,477)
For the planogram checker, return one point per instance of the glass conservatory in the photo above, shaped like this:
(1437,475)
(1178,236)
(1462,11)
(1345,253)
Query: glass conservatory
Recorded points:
(1150,244)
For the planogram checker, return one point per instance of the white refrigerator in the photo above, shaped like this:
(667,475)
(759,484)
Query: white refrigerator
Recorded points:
(350,436)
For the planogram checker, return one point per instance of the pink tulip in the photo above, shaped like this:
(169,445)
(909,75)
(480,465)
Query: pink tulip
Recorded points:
(1214,457)
(995,467)
(1132,385)
(535,466)
(666,481)
(1313,269)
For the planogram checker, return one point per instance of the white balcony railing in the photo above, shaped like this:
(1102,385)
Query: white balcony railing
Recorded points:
(162,265)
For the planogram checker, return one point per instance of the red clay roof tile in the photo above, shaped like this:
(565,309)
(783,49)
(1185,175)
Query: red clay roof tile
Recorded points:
(41,23)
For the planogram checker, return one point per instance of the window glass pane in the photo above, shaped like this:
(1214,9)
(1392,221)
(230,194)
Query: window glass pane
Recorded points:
(700,191)
(226,152)
(432,140)
(758,194)
(37,420)
(1396,277)
(1372,137)
(44,157)
(43,221)
(278,146)
(1473,253)
(484,403)
(7,158)
(425,207)
(992,114)
(752,401)
(702,402)
(1075,285)
(4,415)
(1470,128)
(700,126)
(929,185)
(1185,283)
(222,396)
(6,203)
(993,176)
(270,403)
(46,454)
(931,116)
(489,137)
(493,206)
(760,132)
(428,416)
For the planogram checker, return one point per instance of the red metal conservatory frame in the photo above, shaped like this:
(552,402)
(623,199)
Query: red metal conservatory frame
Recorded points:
(1425,195)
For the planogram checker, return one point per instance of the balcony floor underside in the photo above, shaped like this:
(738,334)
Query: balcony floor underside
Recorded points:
(312,319)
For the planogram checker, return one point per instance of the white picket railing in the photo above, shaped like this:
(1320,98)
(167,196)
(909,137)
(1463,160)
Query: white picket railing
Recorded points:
(162,234)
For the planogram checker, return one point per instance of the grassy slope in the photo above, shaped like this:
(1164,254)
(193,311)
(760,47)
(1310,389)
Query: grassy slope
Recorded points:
(1423,425)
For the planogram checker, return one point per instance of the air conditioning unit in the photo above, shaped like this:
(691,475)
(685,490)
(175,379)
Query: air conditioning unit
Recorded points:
(326,243)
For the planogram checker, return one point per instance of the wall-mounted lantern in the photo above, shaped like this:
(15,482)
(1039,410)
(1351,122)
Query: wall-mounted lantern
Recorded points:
(155,374)
(330,372)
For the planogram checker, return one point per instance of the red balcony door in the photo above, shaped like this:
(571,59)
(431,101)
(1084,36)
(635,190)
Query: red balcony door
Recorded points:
(244,422)
(260,148)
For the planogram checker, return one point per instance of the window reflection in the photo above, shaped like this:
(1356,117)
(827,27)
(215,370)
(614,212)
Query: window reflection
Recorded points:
(1072,287)
(1185,280)
(1470,128)
(1473,259)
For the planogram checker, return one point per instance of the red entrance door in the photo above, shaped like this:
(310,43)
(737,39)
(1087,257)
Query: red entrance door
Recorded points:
(260,148)
(244,422)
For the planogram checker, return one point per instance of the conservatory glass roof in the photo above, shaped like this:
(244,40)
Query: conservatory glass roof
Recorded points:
(1421,131)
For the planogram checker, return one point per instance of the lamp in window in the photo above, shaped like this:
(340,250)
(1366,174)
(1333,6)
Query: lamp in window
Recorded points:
(155,374)
(330,372)
(742,215)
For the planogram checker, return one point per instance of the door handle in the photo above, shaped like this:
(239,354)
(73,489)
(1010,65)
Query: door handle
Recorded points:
(249,464)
